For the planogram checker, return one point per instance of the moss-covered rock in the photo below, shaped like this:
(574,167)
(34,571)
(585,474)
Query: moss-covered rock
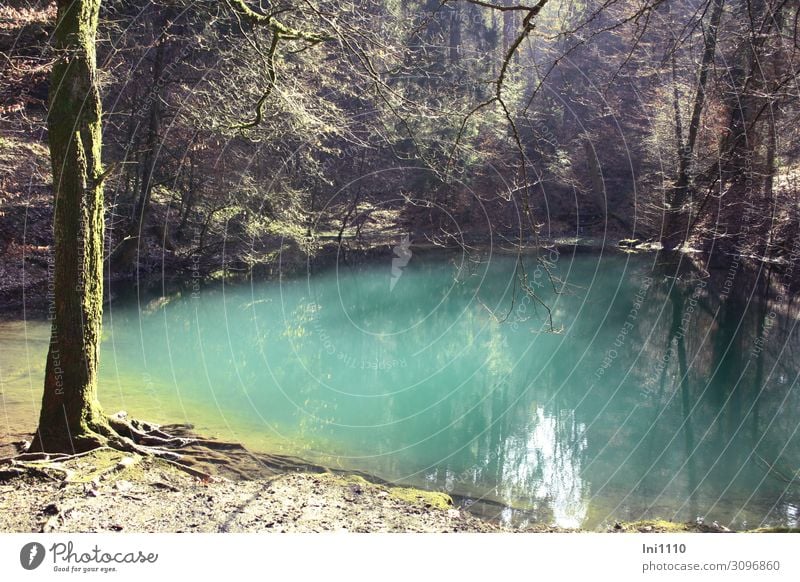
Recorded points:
(410,495)
(430,499)
(654,526)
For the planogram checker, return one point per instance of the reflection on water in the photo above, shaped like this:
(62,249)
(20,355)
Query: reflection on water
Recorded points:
(668,392)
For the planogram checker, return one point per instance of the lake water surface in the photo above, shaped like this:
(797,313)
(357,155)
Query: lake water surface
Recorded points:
(659,393)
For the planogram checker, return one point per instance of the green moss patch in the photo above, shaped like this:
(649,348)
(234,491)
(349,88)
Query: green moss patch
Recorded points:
(430,499)
(654,526)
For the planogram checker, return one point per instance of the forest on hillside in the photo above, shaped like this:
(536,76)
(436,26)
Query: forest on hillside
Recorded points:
(235,131)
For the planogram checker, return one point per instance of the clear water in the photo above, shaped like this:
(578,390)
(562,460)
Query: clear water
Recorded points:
(661,394)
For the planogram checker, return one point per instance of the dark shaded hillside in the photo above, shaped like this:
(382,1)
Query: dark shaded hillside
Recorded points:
(449,121)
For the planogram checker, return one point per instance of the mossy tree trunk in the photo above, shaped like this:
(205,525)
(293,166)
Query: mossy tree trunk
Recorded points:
(71,419)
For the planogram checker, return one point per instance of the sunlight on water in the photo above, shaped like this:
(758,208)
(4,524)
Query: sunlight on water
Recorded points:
(653,400)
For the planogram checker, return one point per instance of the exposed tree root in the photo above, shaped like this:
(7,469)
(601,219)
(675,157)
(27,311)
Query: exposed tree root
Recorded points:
(52,457)
(123,434)
(174,444)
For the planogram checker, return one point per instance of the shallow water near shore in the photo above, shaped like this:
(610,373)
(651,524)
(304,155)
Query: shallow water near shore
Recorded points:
(656,392)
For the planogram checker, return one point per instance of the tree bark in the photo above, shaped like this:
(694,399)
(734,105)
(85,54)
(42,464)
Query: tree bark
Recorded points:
(71,419)
(125,253)
(455,34)
(674,234)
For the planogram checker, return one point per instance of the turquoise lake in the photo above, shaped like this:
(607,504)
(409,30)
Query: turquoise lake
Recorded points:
(650,390)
